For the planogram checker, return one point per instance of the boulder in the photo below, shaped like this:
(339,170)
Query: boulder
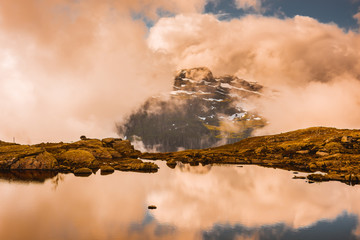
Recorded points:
(171,163)
(318,177)
(293,146)
(335,176)
(113,153)
(99,153)
(43,161)
(303,152)
(298,177)
(260,150)
(83,172)
(346,139)
(108,142)
(63,168)
(125,148)
(77,158)
(88,143)
(334,147)
(11,152)
(137,165)
(312,166)
(322,154)
(106,169)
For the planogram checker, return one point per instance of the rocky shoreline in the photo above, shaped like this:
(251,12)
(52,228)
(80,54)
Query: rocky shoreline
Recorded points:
(334,152)
(82,158)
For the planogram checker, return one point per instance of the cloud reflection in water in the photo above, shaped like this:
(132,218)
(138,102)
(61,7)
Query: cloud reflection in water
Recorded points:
(192,203)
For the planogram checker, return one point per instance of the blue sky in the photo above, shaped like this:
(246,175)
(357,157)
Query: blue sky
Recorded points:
(340,12)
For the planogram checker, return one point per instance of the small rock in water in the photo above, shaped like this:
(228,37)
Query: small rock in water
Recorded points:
(105,170)
(171,163)
(299,177)
(152,207)
(83,172)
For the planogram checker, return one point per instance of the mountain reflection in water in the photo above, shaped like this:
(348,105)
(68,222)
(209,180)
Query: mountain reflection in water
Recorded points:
(211,202)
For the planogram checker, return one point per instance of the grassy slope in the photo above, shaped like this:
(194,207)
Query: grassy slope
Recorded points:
(333,151)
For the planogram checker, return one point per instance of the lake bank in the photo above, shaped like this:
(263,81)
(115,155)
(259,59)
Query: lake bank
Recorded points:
(335,152)
(81,158)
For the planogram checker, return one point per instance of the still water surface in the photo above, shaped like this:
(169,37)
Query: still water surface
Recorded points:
(203,202)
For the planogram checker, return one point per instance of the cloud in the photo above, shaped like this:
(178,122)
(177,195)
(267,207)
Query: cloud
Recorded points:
(357,17)
(259,189)
(330,104)
(255,5)
(200,201)
(69,68)
(314,66)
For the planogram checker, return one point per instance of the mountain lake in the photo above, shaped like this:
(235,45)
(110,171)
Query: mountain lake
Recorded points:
(192,202)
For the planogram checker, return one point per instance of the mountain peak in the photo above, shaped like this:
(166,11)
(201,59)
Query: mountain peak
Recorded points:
(202,111)
(196,74)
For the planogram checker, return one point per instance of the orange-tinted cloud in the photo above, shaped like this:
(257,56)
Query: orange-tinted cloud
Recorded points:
(314,66)
(249,4)
(69,68)
(189,200)
(357,17)
(76,67)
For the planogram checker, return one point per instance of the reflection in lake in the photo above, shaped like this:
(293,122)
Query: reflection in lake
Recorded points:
(26,176)
(211,202)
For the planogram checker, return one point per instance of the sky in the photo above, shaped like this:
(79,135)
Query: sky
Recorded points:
(74,67)
(340,12)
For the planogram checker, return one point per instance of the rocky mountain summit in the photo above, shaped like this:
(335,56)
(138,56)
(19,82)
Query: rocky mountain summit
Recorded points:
(201,111)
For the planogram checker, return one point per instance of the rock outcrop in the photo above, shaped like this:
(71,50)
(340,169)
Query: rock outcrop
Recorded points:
(83,172)
(44,161)
(106,169)
(202,111)
(78,157)
(335,152)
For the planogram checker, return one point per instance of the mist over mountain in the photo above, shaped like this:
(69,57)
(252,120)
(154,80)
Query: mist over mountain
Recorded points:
(202,111)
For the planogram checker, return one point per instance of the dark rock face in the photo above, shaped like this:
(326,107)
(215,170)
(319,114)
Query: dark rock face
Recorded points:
(202,111)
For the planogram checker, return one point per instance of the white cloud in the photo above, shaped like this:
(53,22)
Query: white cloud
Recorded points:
(255,5)
(315,66)
(69,68)
(357,17)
